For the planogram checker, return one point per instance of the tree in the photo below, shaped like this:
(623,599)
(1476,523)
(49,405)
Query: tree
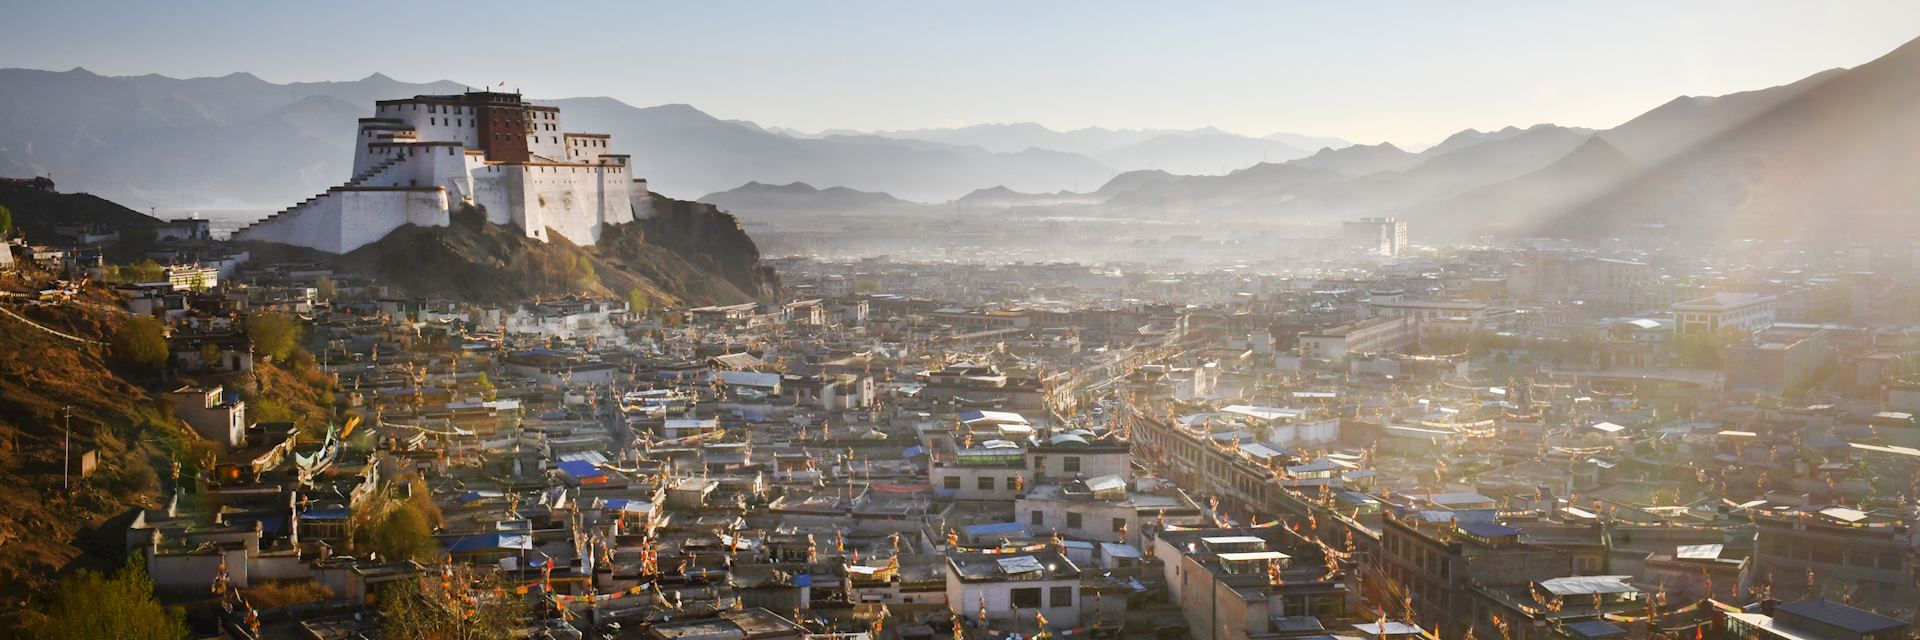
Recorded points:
(6,221)
(394,527)
(141,343)
(90,605)
(325,288)
(459,605)
(637,301)
(275,335)
(209,356)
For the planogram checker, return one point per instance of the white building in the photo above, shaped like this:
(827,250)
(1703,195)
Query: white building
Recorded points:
(1376,236)
(206,409)
(1012,587)
(419,158)
(1748,312)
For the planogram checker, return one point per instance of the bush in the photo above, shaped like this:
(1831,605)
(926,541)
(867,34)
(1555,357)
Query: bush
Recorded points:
(90,605)
(280,593)
(325,289)
(275,335)
(397,528)
(141,343)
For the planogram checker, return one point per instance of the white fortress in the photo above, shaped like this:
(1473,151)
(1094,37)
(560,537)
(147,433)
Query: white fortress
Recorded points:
(416,159)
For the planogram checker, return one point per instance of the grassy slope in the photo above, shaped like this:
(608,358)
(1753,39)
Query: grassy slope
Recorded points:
(42,529)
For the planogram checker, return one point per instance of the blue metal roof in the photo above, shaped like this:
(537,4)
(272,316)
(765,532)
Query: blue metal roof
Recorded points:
(998,529)
(1596,629)
(580,469)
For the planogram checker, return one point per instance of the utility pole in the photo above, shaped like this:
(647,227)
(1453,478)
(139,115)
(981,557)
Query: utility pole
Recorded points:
(66,455)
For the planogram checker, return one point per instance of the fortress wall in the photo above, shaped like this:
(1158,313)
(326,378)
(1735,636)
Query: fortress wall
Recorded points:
(347,219)
(365,216)
(315,225)
(640,199)
(491,192)
(577,201)
(616,200)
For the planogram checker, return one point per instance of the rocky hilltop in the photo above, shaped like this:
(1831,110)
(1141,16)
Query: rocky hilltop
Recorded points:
(686,253)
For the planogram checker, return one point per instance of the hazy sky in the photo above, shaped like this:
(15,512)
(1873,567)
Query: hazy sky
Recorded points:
(1409,72)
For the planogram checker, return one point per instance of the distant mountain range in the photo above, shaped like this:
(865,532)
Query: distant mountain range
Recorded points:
(238,141)
(1837,148)
(1833,153)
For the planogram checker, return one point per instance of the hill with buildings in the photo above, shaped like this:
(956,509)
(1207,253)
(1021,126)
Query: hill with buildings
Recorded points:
(40,209)
(688,253)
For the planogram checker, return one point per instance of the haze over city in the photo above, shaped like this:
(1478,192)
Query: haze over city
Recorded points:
(981,321)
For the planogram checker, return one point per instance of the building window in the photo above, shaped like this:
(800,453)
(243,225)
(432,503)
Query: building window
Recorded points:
(1119,525)
(1027,598)
(1037,518)
(1061,597)
(1073,520)
(986,483)
(953,483)
(1071,464)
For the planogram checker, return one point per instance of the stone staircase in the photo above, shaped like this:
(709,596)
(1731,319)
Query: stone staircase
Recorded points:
(357,180)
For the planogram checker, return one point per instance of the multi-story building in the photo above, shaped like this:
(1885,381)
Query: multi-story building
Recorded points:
(1015,589)
(1838,545)
(418,159)
(1439,560)
(1747,312)
(1373,335)
(1376,236)
(1812,620)
(1776,361)
(1236,584)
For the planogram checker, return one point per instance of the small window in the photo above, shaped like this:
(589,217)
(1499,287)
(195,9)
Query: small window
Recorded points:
(1027,598)
(1071,464)
(1037,518)
(1119,525)
(986,483)
(1060,597)
(1073,520)
(952,482)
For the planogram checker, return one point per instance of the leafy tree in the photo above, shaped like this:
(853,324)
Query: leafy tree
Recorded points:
(90,605)
(141,343)
(396,528)
(584,267)
(276,335)
(637,300)
(6,221)
(457,606)
(325,288)
(209,355)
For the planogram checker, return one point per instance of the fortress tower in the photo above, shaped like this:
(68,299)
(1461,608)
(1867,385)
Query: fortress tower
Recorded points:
(417,158)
